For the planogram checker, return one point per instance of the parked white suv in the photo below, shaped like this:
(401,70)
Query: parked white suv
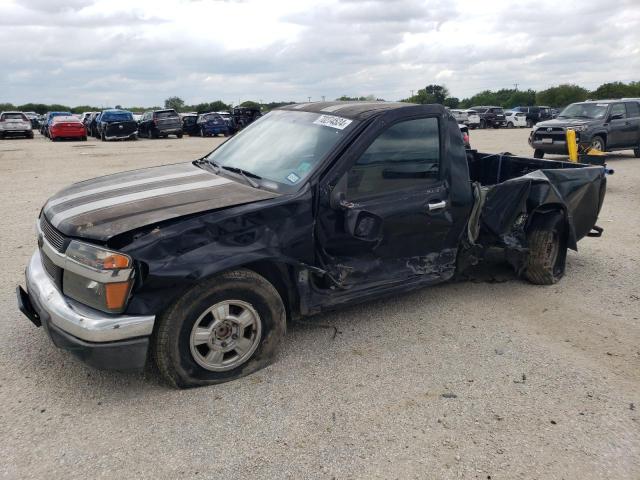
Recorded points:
(515,119)
(473,119)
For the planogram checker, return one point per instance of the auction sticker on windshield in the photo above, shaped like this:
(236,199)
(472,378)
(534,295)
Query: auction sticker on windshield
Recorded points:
(333,122)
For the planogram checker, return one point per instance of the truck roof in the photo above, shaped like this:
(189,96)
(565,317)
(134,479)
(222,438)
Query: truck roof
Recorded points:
(353,110)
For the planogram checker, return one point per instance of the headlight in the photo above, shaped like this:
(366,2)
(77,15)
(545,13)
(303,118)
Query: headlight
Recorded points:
(96,257)
(97,277)
(579,128)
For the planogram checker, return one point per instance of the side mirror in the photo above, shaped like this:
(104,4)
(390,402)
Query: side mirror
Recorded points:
(617,116)
(339,193)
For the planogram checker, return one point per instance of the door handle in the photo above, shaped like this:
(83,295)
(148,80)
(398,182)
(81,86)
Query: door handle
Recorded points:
(436,205)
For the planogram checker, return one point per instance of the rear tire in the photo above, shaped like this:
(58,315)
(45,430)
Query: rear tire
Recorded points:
(529,124)
(538,153)
(483,124)
(547,249)
(510,125)
(248,328)
(636,152)
(179,135)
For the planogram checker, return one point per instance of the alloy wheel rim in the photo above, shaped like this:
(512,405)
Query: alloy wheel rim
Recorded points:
(225,335)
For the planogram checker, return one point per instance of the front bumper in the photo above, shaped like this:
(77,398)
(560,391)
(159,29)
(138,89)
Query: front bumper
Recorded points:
(102,340)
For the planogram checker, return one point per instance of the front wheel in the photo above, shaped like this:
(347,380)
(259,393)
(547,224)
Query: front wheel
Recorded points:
(547,249)
(220,330)
(636,152)
(538,153)
(598,143)
(179,135)
(509,124)
(483,124)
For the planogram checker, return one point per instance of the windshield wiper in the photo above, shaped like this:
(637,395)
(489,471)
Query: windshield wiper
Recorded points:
(245,174)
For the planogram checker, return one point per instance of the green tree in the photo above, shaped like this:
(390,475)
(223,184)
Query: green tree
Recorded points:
(174,102)
(451,102)
(616,90)
(435,94)
(250,104)
(562,95)
(7,106)
(217,106)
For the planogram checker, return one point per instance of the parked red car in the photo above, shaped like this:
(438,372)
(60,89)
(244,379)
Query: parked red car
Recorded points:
(67,127)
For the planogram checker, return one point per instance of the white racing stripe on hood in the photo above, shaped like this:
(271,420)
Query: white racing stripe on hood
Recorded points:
(134,197)
(121,186)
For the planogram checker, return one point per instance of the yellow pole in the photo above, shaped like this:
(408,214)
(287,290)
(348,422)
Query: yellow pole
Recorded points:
(572,145)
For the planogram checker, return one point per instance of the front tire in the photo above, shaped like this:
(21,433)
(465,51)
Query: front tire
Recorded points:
(510,125)
(483,124)
(220,330)
(538,153)
(636,152)
(547,249)
(598,143)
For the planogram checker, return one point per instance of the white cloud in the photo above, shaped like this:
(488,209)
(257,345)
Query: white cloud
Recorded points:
(107,52)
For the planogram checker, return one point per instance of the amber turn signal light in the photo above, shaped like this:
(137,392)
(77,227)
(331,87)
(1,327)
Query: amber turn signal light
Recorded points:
(116,294)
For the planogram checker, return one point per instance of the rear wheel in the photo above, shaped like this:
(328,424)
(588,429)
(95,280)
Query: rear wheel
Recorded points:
(529,123)
(179,135)
(538,153)
(202,132)
(509,124)
(483,124)
(220,330)
(547,249)
(636,152)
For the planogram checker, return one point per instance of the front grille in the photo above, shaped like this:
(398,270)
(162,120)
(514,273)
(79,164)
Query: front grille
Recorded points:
(52,270)
(51,235)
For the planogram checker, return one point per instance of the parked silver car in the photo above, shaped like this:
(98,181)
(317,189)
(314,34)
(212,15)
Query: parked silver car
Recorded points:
(15,124)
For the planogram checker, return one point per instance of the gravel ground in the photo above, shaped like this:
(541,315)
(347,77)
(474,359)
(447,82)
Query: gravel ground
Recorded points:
(466,380)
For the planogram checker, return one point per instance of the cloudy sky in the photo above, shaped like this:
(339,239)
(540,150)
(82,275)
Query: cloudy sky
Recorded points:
(107,52)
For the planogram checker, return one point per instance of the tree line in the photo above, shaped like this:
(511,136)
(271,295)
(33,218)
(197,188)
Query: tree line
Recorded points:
(559,96)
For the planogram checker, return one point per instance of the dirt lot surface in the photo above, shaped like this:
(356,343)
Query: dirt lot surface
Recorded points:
(466,380)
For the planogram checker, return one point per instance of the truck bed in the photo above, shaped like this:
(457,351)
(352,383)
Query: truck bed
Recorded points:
(493,168)
(515,186)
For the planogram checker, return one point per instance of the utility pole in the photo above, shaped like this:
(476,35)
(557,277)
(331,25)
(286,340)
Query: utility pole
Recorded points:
(516,86)
(323,98)
(309,99)
(412,93)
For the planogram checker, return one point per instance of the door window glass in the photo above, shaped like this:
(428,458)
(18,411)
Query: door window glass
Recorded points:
(618,109)
(633,109)
(404,156)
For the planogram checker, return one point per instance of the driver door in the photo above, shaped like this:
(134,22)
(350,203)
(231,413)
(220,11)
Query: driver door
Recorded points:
(390,220)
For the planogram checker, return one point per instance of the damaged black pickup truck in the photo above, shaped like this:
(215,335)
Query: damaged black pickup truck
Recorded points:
(197,266)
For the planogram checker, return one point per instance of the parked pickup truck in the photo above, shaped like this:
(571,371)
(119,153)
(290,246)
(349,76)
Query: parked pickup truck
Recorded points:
(603,124)
(198,266)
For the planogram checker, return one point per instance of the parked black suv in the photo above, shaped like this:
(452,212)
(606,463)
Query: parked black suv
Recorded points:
(602,124)
(491,116)
(534,114)
(160,123)
(244,116)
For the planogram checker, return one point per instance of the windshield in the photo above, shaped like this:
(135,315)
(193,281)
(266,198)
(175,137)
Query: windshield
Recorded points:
(283,146)
(584,110)
(116,116)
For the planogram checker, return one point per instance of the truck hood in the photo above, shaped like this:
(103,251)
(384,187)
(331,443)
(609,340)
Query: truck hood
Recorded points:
(563,122)
(104,207)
